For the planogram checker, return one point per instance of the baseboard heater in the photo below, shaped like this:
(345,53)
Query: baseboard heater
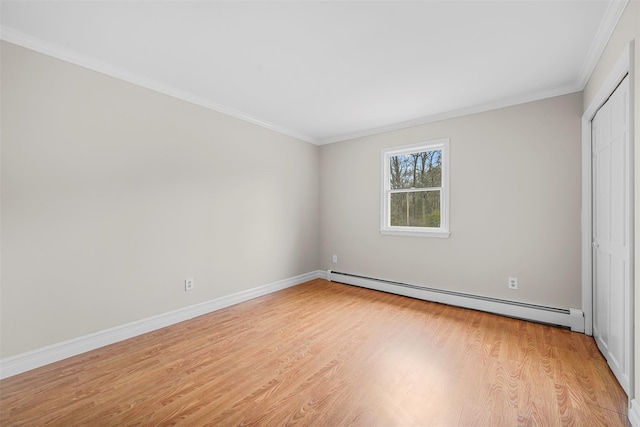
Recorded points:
(565,317)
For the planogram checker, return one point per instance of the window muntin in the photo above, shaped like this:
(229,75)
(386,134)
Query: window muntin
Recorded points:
(415,189)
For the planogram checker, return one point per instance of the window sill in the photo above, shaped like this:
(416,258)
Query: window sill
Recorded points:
(417,233)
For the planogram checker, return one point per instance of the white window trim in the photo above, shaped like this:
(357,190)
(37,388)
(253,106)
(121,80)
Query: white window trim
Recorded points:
(387,153)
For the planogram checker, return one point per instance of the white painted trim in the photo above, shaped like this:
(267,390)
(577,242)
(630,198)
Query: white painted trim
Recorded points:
(624,65)
(632,231)
(481,108)
(574,319)
(417,233)
(586,230)
(16,37)
(608,86)
(614,12)
(43,356)
(634,413)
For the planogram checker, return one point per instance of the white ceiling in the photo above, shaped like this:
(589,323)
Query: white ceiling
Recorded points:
(328,71)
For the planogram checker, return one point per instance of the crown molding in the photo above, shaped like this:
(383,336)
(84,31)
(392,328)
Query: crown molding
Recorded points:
(12,36)
(481,108)
(614,12)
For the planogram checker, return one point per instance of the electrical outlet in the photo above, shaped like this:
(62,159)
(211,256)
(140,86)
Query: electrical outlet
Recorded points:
(335,258)
(513,283)
(188,284)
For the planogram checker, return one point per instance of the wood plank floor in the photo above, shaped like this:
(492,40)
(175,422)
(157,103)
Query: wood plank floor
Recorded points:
(328,354)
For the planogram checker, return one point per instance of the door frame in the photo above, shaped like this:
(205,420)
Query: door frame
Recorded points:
(623,66)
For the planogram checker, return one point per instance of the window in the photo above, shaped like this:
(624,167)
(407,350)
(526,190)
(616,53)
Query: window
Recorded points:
(415,189)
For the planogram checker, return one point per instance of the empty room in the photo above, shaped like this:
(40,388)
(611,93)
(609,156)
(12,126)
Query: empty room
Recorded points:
(329,213)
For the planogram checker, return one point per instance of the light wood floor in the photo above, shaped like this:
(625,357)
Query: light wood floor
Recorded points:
(330,355)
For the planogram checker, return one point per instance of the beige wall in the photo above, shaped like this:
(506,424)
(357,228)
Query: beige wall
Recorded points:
(515,206)
(628,29)
(113,194)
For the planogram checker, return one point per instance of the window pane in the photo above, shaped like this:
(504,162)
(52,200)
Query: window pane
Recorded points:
(416,209)
(416,170)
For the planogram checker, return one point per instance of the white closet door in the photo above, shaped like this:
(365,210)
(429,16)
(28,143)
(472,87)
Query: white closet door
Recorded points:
(611,232)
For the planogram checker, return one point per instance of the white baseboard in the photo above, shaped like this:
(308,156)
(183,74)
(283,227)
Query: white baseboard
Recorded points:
(43,356)
(634,413)
(571,318)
